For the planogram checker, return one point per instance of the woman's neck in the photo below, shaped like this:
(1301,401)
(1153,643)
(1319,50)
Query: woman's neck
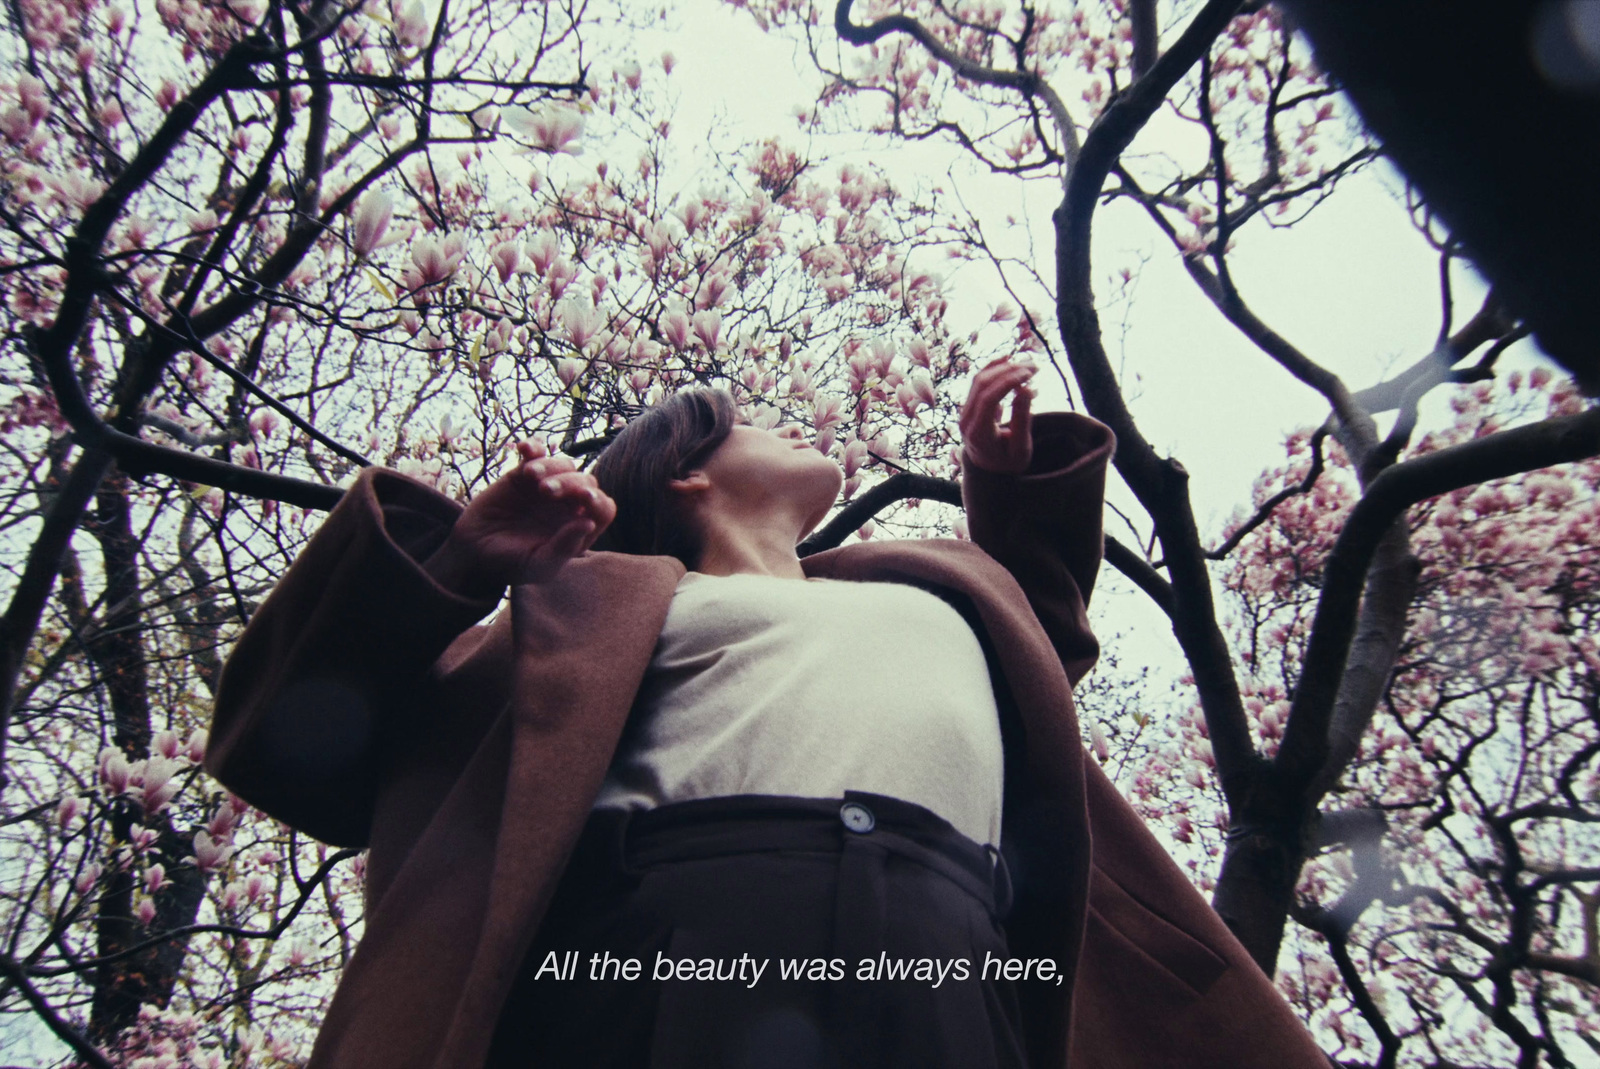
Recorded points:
(751,550)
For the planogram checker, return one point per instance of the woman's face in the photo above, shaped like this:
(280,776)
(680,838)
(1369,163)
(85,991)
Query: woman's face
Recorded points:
(754,470)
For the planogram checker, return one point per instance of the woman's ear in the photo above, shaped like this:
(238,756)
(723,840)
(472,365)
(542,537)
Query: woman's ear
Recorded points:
(696,482)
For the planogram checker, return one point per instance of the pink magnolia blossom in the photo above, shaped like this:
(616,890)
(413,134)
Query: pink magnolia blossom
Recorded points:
(263,424)
(145,911)
(855,455)
(436,259)
(221,823)
(712,290)
(553,127)
(208,852)
(675,328)
(86,880)
(1098,742)
(34,96)
(568,370)
(659,239)
(543,250)
(507,256)
(837,287)
(155,878)
(371,220)
(413,26)
(826,412)
(158,786)
(581,320)
(562,272)
(860,370)
(166,744)
(16,125)
(615,350)
(707,327)
(115,771)
(67,811)
(645,351)
(693,214)
(882,356)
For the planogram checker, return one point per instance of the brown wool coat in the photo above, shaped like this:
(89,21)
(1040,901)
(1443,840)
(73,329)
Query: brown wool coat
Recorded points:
(363,707)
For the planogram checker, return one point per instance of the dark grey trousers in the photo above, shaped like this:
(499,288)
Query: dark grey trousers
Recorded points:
(704,892)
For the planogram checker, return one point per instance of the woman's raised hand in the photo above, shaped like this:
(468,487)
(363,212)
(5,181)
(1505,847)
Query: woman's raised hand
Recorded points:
(1005,449)
(524,526)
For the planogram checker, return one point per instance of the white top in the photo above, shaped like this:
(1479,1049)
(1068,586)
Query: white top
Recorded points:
(767,685)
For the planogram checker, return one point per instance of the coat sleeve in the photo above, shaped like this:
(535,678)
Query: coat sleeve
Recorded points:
(347,635)
(1044,525)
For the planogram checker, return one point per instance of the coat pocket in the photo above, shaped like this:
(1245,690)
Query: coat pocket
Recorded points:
(1188,960)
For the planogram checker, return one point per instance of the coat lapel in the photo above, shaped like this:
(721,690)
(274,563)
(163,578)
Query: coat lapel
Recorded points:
(582,644)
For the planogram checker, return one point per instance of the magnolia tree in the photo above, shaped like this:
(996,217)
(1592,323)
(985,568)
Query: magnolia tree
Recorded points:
(248,250)
(1458,927)
(1372,721)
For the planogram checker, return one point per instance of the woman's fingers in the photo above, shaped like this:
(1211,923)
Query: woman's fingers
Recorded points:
(991,385)
(569,540)
(980,416)
(568,484)
(602,508)
(989,443)
(1020,406)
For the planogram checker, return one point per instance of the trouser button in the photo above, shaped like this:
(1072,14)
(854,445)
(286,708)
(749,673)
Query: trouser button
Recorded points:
(857,817)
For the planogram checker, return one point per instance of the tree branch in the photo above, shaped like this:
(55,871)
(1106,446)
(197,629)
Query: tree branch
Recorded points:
(1026,82)
(1161,485)
(1305,747)
(1146,35)
(138,457)
(894,488)
(64,1030)
(1141,573)
(1269,506)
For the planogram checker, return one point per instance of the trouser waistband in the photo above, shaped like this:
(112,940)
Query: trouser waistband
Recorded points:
(634,841)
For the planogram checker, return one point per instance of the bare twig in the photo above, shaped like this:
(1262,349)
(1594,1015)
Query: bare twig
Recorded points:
(63,1029)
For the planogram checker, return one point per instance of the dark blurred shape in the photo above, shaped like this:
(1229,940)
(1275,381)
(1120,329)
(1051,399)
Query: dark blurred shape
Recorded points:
(1492,109)
(783,1038)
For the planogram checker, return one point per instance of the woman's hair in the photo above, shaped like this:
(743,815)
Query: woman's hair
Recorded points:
(662,443)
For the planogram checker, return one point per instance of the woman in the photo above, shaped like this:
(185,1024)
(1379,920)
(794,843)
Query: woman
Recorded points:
(636,761)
